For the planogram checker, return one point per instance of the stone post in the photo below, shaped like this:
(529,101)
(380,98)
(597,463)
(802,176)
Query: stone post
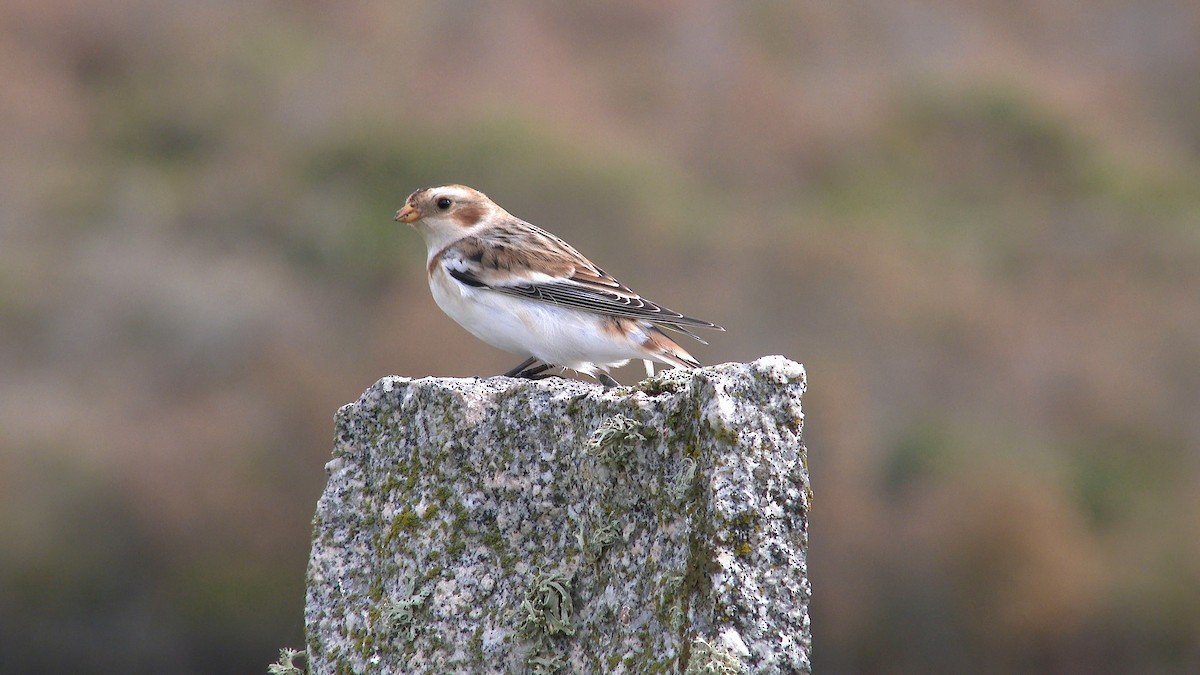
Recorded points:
(512,526)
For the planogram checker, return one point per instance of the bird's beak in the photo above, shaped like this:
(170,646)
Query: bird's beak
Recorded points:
(407,214)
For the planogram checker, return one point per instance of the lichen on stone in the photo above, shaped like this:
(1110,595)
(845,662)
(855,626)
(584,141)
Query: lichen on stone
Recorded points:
(398,615)
(614,439)
(600,540)
(681,481)
(710,660)
(546,608)
(286,665)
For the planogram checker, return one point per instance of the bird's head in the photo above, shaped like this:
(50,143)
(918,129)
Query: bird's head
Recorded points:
(446,214)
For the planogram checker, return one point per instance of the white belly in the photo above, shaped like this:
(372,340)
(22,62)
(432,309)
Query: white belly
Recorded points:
(553,334)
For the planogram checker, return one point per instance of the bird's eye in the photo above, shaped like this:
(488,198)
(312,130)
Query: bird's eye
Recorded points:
(443,203)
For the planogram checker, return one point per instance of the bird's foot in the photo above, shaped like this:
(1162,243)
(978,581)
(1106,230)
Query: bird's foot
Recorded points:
(607,380)
(520,367)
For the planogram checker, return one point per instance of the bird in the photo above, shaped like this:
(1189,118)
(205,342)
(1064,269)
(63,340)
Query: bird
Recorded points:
(526,291)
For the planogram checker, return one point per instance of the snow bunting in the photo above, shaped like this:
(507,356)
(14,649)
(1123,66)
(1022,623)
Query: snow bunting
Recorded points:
(521,289)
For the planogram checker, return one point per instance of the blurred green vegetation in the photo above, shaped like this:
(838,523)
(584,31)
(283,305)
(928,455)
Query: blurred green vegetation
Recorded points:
(977,226)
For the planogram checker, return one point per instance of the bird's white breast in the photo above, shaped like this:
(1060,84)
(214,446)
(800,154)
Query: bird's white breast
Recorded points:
(556,335)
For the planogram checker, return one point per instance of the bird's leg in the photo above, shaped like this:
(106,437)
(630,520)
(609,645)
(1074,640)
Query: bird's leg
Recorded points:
(516,372)
(537,372)
(527,370)
(606,380)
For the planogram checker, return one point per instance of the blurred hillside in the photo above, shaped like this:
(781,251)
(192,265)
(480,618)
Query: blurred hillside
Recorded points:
(977,224)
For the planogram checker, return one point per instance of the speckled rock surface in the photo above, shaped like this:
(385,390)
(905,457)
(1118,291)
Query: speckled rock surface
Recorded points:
(506,526)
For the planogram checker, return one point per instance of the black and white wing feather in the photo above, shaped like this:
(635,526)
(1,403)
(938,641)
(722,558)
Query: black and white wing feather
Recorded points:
(530,263)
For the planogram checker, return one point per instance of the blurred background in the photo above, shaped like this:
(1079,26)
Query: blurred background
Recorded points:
(977,224)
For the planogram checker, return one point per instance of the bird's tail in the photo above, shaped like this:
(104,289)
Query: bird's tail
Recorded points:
(663,349)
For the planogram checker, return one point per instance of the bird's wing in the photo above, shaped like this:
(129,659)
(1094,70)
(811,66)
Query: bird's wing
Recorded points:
(534,264)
